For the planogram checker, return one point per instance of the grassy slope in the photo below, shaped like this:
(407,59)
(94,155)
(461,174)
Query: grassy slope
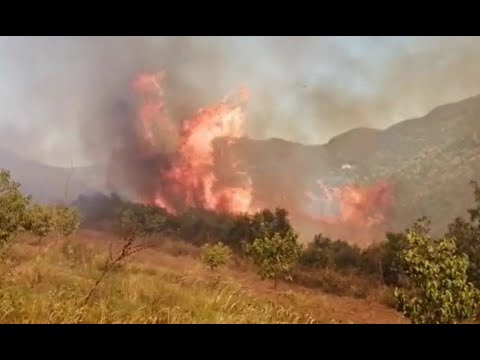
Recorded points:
(47,283)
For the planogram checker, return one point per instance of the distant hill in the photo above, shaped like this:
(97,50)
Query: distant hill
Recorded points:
(47,183)
(429,160)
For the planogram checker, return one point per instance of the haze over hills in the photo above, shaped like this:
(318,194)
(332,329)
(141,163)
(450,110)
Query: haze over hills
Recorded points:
(429,161)
(48,183)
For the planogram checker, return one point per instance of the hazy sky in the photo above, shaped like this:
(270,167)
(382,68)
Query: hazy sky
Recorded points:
(303,89)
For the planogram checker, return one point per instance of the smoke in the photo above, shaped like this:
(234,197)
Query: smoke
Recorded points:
(58,93)
(71,99)
(174,165)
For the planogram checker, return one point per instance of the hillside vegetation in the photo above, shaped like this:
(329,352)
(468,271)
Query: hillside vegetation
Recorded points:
(143,265)
(428,161)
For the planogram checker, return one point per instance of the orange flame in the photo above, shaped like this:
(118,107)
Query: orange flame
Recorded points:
(361,210)
(191,180)
(152,114)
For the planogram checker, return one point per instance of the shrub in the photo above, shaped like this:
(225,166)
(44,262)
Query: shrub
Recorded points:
(98,207)
(391,262)
(384,259)
(240,232)
(467,237)
(276,256)
(337,283)
(18,214)
(199,225)
(40,220)
(265,224)
(372,261)
(13,206)
(440,292)
(214,256)
(244,228)
(324,253)
(67,220)
(141,220)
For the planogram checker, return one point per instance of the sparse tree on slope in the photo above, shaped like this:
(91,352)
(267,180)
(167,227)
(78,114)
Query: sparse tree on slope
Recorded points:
(276,256)
(140,220)
(216,255)
(40,220)
(13,206)
(67,220)
(440,292)
(467,237)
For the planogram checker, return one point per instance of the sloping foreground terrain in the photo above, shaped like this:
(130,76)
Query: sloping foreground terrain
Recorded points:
(48,283)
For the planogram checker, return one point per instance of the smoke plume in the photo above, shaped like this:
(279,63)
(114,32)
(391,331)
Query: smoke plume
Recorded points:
(59,92)
(75,99)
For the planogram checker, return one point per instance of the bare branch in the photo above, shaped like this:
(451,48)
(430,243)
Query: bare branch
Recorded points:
(128,249)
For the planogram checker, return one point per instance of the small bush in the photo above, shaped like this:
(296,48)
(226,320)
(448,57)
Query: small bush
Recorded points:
(385,260)
(393,267)
(337,283)
(276,256)
(40,220)
(214,256)
(467,237)
(178,248)
(18,214)
(141,220)
(67,220)
(324,253)
(198,225)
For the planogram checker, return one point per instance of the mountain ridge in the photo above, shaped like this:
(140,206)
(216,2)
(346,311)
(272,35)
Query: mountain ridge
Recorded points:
(429,161)
(46,183)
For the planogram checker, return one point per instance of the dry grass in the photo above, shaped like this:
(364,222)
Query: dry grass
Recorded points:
(337,283)
(177,248)
(165,284)
(47,285)
(348,285)
(328,306)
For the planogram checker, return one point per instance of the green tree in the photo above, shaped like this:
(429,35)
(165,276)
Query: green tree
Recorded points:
(13,206)
(244,228)
(40,220)
(384,259)
(67,220)
(239,232)
(266,223)
(390,263)
(324,253)
(440,292)
(467,237)
(141,220)
(216,255)
(276,255)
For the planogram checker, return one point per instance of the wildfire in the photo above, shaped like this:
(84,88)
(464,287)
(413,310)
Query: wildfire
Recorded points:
(191,180)
(152,116)
(353,209)
(364,206)
(186,175)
